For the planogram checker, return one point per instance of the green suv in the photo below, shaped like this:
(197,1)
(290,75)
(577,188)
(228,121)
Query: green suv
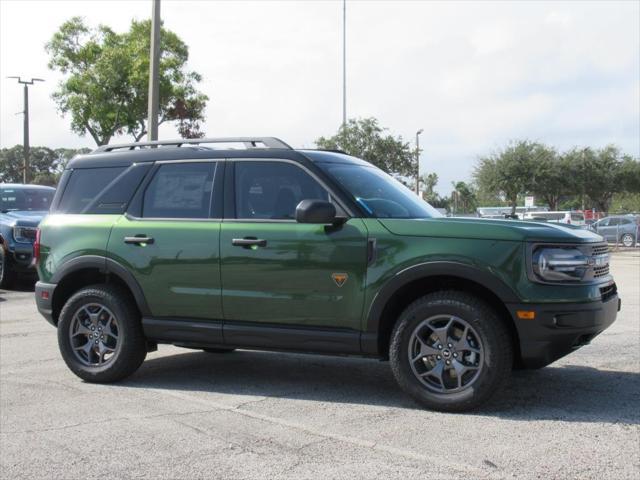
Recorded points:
(267,247)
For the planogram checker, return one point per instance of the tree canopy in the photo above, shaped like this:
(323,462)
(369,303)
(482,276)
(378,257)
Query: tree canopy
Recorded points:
(105,89)
(45,164)
(581,177)
(364,138)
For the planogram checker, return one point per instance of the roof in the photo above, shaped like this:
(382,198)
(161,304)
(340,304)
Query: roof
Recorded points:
(127,154)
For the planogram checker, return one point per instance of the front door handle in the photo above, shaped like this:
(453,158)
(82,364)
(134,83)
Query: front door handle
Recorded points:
(138,239)
(248,242)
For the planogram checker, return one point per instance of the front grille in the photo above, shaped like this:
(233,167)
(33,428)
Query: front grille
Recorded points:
(601,271)
(600,252)
(600,249)
(607,292)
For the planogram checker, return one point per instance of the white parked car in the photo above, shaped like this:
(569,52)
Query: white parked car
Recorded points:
(567,217)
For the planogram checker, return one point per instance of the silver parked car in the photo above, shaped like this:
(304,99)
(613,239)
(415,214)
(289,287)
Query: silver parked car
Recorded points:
(619,229)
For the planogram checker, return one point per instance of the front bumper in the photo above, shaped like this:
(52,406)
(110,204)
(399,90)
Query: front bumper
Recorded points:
(559,329)
(21,256)
(44,297)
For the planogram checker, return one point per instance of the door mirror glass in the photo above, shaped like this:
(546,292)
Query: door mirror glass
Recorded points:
(315,211)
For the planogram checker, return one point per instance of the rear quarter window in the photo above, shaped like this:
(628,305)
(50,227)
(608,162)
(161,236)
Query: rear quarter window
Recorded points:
(84,186)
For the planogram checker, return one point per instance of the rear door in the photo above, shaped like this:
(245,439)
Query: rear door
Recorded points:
(169,240)
(300,276)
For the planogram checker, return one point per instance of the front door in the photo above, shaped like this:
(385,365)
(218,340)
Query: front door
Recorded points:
(172,245)
(276,272)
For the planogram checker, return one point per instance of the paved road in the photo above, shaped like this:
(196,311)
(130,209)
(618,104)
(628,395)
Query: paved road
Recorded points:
(188,414)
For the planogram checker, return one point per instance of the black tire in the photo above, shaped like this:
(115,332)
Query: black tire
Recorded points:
(628,240)
(7,275)
(218,350)
(496,347)
(131,350)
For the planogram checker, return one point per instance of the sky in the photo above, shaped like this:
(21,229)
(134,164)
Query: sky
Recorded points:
(472,75)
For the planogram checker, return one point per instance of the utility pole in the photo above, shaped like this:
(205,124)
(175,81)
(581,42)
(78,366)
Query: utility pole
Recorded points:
(154,60)
(344,63)
(418,161)
(26,148)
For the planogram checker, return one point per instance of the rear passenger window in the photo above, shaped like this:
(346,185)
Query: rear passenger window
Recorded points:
(84,185)
(180,190)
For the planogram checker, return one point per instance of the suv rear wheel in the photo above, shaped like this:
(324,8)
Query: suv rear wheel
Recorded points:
(450,351)
(100,335)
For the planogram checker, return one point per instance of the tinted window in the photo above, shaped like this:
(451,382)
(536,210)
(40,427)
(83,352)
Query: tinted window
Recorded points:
(25,199)
(614,221)
(84,186)
(379,194)
(272,190)
(180,190)
(577,217)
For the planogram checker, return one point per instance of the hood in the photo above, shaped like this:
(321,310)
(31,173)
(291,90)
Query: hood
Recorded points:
(24,218)
(489,229)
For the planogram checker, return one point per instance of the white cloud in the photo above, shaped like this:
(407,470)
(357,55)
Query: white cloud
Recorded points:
(472,74)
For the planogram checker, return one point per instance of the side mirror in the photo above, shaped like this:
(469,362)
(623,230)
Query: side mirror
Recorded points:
(315,211)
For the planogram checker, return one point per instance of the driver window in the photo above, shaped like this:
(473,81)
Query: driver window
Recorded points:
(272,190)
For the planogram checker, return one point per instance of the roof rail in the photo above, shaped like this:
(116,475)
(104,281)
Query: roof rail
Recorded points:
(248,142)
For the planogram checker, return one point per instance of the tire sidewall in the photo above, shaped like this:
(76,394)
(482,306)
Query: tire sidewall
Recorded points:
(127,333)
(630,236)
(3,263)
(486,326)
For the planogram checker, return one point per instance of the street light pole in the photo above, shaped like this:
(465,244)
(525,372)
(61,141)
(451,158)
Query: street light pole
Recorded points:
(154,60)
(418,161)
(26,147)
(344,63)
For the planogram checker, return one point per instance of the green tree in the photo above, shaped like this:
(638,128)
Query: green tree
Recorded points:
(105,89)
(598,175)
(630,174)
(45,164)
(510,172)
(364,138)
(553,177)
(463,198)
(429,182)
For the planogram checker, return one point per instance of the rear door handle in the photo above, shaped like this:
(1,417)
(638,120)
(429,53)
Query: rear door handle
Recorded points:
(138,239)
(248,242)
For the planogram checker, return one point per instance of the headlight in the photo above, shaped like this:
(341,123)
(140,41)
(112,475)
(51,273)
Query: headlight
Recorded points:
(24,234)
(555,264)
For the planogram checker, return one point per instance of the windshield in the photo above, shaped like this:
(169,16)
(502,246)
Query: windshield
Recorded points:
(25,199)
(379,194)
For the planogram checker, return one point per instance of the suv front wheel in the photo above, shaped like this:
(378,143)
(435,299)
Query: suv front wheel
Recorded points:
(450,351)
(100,335)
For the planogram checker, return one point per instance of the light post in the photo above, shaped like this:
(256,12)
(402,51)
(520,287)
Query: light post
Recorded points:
(154,60)
(418,161)
(344,63)
(26,83)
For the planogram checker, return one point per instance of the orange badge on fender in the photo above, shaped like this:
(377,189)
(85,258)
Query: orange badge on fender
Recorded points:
(339,278)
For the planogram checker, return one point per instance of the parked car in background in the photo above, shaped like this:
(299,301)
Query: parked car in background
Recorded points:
(619,229)
(566,217)
(21,209)
(505,212)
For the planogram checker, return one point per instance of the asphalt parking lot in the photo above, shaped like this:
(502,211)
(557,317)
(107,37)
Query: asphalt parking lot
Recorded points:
(188,414)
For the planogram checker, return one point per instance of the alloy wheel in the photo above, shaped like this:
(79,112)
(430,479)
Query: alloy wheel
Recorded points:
(446,354)
(94,335)
(627,240)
